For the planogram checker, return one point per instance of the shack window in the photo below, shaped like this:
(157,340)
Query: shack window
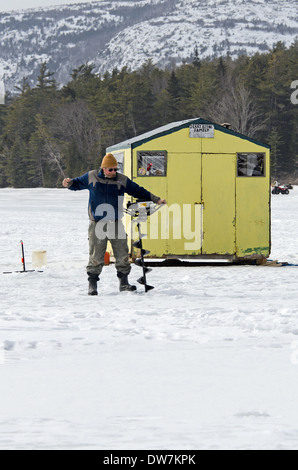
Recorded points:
(152,163)
(251,164)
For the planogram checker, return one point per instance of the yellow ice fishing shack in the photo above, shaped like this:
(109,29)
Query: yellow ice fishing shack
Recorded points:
(217,186)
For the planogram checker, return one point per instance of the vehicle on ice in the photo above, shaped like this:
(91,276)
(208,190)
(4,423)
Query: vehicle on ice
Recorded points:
(281,189)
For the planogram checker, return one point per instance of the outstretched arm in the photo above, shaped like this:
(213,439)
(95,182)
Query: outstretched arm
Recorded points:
(76,184)
(139,192)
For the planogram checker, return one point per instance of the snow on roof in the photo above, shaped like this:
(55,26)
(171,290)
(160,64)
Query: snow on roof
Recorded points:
(148,135)
(173,127)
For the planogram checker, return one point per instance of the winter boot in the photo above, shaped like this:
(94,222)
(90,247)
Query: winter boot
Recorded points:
(93,279)
(124,284)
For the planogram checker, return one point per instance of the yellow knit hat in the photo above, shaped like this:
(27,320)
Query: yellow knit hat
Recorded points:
(109,161)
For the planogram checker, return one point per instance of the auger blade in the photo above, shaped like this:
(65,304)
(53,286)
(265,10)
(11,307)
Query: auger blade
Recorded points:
(147,270)
(147,288)
(139,263)
(143,282)
(145,252)
(137,244)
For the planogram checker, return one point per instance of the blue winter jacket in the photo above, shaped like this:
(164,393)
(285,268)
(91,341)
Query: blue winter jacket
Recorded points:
(106,194)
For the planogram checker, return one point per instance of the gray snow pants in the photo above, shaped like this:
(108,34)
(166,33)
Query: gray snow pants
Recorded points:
(99,234)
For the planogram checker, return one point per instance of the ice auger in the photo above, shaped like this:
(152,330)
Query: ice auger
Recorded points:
(140,211)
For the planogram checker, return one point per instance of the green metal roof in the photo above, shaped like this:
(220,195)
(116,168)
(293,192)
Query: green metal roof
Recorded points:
(174,127)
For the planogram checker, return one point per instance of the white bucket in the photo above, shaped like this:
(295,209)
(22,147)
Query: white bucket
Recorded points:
(39,258)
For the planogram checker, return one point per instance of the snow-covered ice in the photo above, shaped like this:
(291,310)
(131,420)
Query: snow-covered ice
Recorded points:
(207,360)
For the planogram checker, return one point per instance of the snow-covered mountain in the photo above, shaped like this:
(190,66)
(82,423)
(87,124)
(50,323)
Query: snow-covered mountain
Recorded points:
(129,32)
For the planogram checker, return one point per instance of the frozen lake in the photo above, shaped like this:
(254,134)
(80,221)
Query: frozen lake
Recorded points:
(207,360)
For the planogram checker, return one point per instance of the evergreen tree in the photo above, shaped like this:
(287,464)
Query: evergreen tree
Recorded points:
(205,91)
(45,131)
(221,70)
(18,170)
(188,76)
(45,80)
(196,59)
(276,143)
(173,90)
(44,95)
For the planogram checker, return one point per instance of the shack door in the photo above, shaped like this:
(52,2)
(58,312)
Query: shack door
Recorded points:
(219,202)
(184,204)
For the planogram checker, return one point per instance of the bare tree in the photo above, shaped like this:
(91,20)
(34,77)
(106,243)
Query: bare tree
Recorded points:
(49,149)
(75,122)
(237,107)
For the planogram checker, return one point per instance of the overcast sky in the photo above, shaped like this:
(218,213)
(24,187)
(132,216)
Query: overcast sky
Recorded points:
(8,5)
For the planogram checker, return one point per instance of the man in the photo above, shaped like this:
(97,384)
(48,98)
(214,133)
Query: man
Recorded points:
(106,190)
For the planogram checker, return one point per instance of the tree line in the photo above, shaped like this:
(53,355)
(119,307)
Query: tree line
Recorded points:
(48,131)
